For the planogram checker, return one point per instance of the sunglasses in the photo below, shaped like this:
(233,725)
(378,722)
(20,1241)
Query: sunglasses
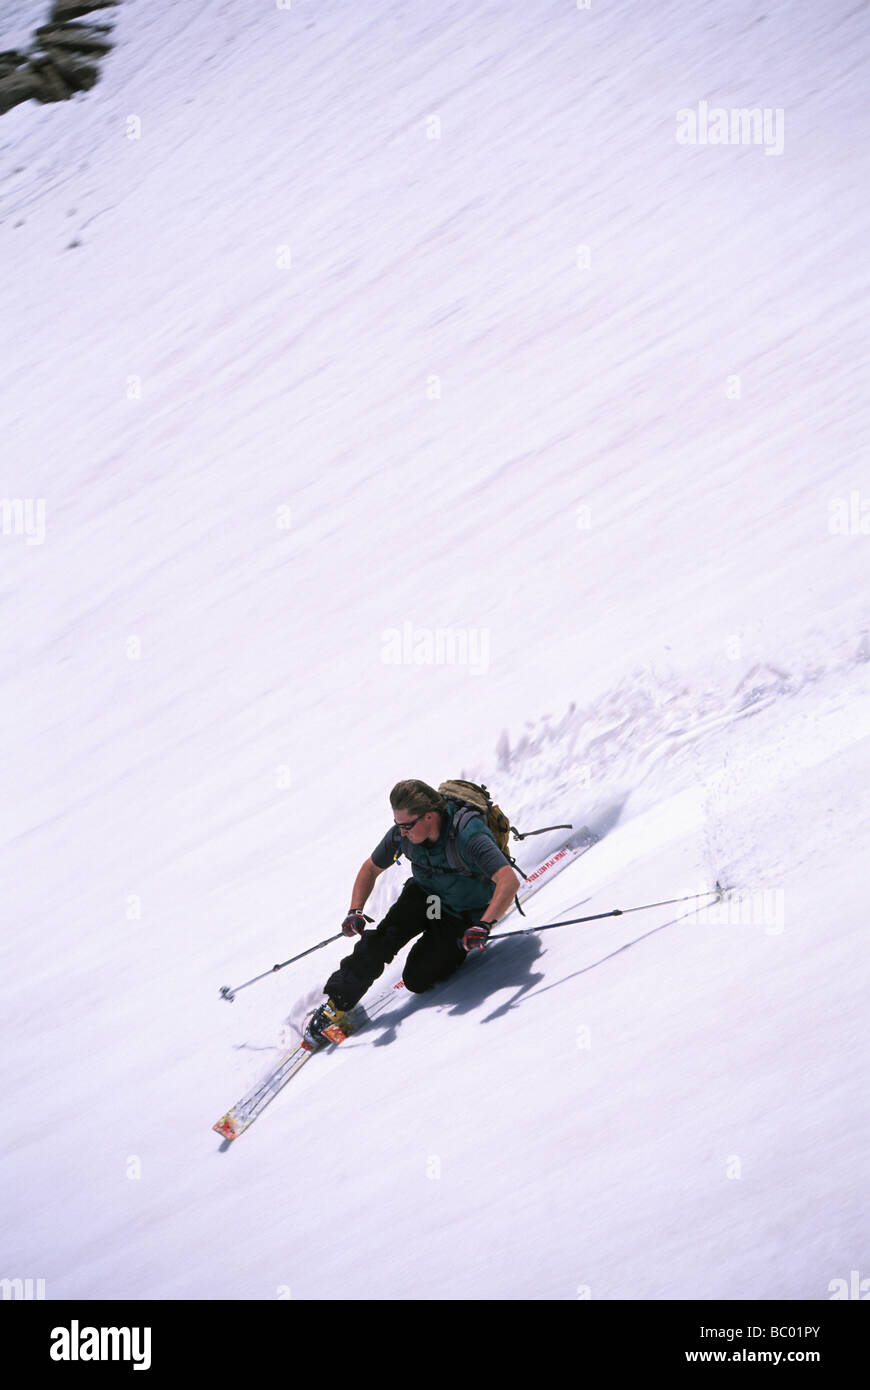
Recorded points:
(404,825)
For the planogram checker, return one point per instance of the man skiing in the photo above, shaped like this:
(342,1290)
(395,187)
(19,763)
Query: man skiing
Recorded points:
(461,885)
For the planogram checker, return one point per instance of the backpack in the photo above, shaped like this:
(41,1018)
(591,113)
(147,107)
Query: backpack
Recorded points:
(475,800)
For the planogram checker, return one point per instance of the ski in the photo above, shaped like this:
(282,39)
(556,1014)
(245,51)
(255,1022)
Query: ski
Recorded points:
(241,1115)
(546,871)
(246,1110)
(266,1087)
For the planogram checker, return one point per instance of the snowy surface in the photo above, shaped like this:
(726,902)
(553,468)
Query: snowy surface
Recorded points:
(18,21)
(342,340)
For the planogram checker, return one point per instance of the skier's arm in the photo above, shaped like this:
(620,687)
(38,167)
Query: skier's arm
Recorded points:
(506,884)
(363,884)
(388,850)
(354,923)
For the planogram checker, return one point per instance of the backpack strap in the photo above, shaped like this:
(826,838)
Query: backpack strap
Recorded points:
(470,799)
(459,818)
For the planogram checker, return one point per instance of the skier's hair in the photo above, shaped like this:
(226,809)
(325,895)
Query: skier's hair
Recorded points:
(416,797)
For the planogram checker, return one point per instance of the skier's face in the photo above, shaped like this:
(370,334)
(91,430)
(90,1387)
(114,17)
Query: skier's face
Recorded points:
(417,828)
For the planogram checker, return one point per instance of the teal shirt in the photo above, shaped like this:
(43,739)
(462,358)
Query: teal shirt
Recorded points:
(431,868)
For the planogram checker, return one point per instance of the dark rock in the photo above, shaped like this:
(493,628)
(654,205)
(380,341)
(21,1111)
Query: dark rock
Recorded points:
(78,76)
(50,84)
(60,60)
(18,86)
(74,9)
(77,37)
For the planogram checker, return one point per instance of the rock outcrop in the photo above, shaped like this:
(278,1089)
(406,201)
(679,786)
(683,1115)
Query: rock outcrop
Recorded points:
(63,57)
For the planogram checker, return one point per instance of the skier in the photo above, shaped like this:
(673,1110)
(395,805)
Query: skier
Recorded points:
(461,885)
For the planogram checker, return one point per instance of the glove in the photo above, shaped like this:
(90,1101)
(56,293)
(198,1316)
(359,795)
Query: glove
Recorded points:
(475,937)
(354,923)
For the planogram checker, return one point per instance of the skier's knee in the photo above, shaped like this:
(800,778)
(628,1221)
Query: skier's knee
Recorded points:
(419,983)
(414,985)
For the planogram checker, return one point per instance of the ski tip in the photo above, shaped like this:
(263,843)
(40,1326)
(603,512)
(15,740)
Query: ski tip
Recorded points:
(226,1127)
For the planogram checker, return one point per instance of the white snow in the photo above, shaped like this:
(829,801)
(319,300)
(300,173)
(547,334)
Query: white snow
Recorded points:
(387,392)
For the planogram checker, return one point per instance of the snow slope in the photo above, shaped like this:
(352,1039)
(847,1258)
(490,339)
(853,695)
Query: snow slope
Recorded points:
(403,399)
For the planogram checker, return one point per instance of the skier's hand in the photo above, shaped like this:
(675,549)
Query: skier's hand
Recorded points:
(475,937)
(354,923)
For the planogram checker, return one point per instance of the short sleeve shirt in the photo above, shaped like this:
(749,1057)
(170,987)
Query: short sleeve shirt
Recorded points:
(481,853)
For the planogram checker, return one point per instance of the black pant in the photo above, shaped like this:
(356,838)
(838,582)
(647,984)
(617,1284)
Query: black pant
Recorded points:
(436,955)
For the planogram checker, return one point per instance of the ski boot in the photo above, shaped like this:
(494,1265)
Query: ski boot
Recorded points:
(324,1026)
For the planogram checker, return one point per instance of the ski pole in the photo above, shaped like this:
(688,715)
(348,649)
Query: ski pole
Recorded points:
(229,993)
(717,893)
